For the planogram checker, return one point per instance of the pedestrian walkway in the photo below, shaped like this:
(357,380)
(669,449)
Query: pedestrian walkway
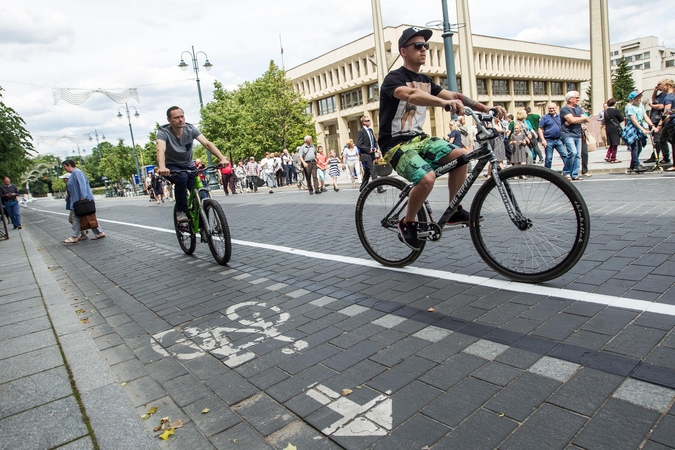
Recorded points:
(55,389)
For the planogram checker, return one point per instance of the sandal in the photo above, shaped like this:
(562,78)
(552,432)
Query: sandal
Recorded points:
(98,236)
(70,240)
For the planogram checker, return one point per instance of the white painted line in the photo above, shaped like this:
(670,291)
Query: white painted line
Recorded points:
(514,286)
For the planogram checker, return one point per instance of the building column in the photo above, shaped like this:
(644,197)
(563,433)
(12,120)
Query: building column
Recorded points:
(466,63)
(601,71)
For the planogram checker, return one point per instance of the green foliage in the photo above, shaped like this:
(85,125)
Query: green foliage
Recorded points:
(148,154)
(587,103)
(622,83)
(117,162)
(58,185)
(16,147)
(266,114)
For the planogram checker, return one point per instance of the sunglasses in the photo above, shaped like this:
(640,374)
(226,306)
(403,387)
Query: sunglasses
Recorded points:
(419,45)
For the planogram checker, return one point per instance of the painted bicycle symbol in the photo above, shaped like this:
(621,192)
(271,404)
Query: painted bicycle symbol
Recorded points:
(193,342)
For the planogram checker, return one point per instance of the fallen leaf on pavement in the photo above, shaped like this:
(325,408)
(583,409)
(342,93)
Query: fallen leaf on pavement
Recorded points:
(152,410)
(346,392)
(431,310)
(205,410)
(357,387)
(290,447)
(80,311)
(123,384)
(178,423)
(166,434)
(84,320)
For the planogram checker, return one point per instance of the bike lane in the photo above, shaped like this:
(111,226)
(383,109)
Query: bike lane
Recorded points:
(269,343)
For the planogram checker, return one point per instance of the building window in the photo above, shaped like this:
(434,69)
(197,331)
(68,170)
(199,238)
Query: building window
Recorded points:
(373,92)
(521,88)
(326,105)
(519,105)
(502,104)
(638,57)
(647,55)
(571,87)
(500,87)
(556,88)
(443,82)
(629,58)
(539,87)
(481,86)
(670,63)
(351,98)
(358,69)
(648,65)
(308,110)
(638,67)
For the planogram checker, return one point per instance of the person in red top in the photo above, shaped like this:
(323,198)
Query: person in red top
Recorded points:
(227,176)
(321,164)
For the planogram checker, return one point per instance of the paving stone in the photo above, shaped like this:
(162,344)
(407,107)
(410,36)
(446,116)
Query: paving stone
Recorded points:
(588,339)
(355,336)
(610,321)
(166,369)
(323,301)
(560,326)
(388,337)
(388,321)
(353,310)
(460,402)
(219,417)
(418,432)
(486,349)
(646,395)
(635,341)
(496,373)
(401,374)
(21,328)
(549,427)
(129,370)
(302,436)
(482,430)
(353,355)
(432,333)
(206,367)
(26,364)
(410,400)
(51,425)
(186,389)
(27,343)
(447,347)
(556,369)
(523,396)
(34,390)
(611,363)
(545,309)
(453,371)
(618,424)
(264,414)
(586,391)
(399,351)
(665,431)
(515,357)
(117,354)
(356,375)
(231,387)
(662,356)
(654,320)
(268,378)
(299,383)
(308,358)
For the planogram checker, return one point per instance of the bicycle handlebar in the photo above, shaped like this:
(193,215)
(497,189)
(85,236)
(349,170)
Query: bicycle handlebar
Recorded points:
(195,170)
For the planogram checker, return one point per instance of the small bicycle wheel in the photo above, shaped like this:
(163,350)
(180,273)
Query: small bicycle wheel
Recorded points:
(660,169)
(380,236)
(217,232)
(186,235)
(553,229)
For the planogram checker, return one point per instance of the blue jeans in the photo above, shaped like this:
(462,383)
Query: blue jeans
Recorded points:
(13,211)
(635,150)
(181,185)
(573,162)
(559,146)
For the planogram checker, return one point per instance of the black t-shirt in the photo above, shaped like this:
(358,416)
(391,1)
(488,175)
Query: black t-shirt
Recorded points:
(401,121)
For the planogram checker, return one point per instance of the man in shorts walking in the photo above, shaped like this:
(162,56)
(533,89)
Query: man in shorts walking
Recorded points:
(404,97)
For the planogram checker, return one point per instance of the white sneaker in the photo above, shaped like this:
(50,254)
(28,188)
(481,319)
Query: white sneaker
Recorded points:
(181,217)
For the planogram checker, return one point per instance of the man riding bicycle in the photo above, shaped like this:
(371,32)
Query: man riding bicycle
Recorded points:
(404,96)
(174,152)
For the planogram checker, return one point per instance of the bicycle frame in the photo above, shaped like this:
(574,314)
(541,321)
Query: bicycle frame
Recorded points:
(484,154)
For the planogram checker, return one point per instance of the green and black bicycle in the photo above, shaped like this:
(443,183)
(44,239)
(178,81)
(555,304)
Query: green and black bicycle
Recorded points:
(206,218)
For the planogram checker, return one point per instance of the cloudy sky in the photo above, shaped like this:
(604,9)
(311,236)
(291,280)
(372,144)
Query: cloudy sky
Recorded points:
(124,44)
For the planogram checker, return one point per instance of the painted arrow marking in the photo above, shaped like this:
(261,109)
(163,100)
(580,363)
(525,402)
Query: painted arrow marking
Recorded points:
(371,419)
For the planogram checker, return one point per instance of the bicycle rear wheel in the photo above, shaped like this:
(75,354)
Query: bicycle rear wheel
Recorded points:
(554,230)
(186,235)
(379,236)
(217,232)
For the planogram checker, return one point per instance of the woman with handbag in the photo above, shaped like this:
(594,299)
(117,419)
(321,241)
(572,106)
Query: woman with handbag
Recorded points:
(613,119)
(80,200)
(635,133)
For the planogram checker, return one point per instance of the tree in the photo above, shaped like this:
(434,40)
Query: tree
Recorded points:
(148,155)
(266,114)
(16,147)
(117,162)
(587,104)
(622,83)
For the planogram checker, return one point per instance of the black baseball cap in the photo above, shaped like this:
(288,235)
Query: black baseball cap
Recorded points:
(411,33)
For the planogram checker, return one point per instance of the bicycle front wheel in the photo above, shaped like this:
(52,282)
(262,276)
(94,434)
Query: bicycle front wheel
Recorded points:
(186,235)
(378,235)
(217,232)
(553,228)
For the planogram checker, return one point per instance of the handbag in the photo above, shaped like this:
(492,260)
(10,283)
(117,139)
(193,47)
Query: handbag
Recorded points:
(84,207)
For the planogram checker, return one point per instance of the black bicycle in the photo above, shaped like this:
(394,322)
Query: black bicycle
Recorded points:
(528,223)
(206,217)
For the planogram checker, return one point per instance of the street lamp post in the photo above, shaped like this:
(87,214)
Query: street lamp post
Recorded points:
(131,131)
(95,133)
(195,66)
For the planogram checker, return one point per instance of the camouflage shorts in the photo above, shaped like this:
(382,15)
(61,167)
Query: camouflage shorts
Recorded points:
(417,157)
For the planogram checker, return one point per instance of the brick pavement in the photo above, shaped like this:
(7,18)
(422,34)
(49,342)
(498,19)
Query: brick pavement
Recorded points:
(487,368)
